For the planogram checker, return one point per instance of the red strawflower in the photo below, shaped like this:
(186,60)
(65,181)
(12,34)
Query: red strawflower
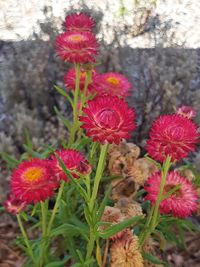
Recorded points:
(79,22)
(113,84)
(186,111)
(77,47)
(172,135)
(14,205)
(70,79)
(182,203)
(108,119)
(73,160)
(33,181)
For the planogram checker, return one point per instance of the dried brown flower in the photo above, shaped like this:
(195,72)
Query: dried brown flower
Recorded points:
(121,156)
(124,188)
(125,253)
(112,215)
(129,208)
(141,170)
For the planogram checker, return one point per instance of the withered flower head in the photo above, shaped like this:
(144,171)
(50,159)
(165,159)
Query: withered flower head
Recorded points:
(141,170)
(112,215)
(125,253)
(129,208)
(124,188)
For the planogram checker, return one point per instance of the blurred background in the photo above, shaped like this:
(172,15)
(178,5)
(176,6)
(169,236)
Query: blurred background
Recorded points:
(154,43)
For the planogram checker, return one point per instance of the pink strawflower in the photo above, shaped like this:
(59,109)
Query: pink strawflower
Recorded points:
(70,79)
(74,160)
(186,111)
(33,181)
(14,205)
(77,47)
(79,22)
(172,135)
(108,119)
(181,203)
(113,83)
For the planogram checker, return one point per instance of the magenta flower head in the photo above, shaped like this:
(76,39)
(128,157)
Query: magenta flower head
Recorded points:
(186,111)
(182,203)
(14,205)
(172,135)
(79,22)
(33,181)
(113,83)
(108,119)
(70,79)
(74,160)
(77,47)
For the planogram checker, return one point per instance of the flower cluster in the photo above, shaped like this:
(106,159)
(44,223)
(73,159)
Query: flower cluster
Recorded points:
(101,110)
(35,180)
(77,44)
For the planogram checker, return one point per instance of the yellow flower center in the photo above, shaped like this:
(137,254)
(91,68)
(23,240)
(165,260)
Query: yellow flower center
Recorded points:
(33,174)
(113,80)
(76,37)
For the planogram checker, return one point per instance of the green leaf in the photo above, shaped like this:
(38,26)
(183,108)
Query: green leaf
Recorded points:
(64,120)
(12,162)
(27,137)
(63,93)
(58,263)
(153,259)
(112,230)
(81,144)
(161,239)
(69,229)
(32,152)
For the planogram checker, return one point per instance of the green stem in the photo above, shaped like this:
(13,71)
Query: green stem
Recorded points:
(99,172)
(97,179)
(90,245)
(56,206)
(83,99)
(166,166)
(44,229)
(75,109)
(154,214)
(30,252)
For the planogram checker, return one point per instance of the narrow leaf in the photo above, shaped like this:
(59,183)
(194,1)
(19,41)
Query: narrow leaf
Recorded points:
(63,93)
(119,227)
(60,116)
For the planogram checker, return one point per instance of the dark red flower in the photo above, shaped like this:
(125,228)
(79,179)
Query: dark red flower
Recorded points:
(172,135)
(113,83)
(33,181)
(108,119)
(77,47)
(79,22)
(182,203)
(74,161)
(70,79)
